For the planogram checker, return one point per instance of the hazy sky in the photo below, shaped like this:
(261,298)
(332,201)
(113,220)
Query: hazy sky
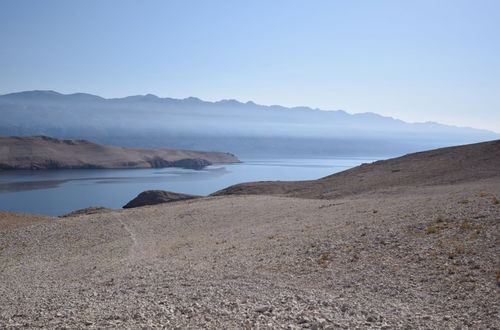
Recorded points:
(418,60)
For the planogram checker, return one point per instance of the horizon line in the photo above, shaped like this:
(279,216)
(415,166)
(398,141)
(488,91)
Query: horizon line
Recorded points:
(251,102)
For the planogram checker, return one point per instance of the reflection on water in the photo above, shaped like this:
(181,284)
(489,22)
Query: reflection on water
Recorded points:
(54,192)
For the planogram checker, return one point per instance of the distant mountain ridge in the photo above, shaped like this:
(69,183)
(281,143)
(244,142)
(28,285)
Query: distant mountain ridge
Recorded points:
(229,125)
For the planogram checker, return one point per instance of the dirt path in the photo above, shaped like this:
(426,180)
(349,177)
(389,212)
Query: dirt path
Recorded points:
(134,251)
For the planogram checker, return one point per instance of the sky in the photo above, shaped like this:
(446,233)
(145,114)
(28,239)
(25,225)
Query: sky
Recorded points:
(425,60)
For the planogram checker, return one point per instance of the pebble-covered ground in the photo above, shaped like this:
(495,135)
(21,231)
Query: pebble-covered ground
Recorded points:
(415,258)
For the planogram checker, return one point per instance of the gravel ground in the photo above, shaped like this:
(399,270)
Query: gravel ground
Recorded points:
(423,257)
(12,220)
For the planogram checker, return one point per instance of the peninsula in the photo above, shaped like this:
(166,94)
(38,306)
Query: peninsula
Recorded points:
(42,152)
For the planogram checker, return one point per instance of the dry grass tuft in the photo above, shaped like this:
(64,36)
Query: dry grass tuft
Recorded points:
(431,229)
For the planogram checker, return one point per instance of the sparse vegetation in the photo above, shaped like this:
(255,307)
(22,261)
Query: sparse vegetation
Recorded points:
(324,259)
(2,248)
(479,228)
(431,229)
(466,226)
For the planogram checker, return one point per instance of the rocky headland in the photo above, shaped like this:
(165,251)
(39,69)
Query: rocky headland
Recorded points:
(42,152)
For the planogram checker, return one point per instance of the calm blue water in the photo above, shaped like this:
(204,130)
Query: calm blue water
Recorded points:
(55,192)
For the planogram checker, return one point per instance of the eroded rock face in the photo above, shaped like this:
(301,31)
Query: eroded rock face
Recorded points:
(190,163)
(195,164)
(158,162)
(153,197)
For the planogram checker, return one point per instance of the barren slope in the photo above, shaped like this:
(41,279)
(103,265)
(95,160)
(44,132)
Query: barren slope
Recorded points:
(423,259)
(440,166)
(41,152)
(12,220)
(422,256)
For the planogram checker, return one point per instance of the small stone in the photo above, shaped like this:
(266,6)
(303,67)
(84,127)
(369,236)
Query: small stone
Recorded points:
(262,309)
(371,319)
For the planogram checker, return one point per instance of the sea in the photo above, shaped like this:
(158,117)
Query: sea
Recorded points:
(57,192)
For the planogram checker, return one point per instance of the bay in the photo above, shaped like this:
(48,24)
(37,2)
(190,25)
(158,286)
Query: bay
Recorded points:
(56,192)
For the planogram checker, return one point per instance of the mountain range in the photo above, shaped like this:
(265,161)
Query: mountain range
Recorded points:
(246,129)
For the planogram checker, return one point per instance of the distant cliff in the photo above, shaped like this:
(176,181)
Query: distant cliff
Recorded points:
(42,152)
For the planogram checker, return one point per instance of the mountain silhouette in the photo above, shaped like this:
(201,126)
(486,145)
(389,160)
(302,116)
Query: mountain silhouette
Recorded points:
(247,129)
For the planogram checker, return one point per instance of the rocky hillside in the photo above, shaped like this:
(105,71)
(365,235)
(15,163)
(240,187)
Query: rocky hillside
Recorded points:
(440,166)
(413,244)
(42,152)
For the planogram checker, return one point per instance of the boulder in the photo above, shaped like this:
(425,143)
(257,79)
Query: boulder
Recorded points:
(153,197)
